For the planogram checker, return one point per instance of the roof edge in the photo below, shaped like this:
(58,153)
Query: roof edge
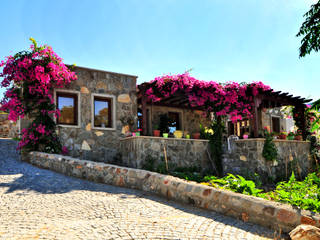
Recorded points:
(100,70)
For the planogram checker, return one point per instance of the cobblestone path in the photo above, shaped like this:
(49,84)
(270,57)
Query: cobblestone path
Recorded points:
(40,204)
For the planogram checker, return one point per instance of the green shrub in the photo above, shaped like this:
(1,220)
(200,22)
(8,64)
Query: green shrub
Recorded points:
(234,183)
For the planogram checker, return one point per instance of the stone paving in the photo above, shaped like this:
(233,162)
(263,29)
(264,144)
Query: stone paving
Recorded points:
(40,204)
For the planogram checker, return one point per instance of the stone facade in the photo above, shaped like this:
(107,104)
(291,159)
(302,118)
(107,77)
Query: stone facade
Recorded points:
(190,120)
(85,141)
(180,152)
(286,124)
(245,157)
(8,129)
(274,215)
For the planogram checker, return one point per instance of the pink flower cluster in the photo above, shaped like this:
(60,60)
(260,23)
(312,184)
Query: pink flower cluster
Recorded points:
(233,99)
(30,78)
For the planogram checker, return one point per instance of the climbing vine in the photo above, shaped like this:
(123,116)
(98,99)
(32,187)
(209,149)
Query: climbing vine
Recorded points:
(29,78)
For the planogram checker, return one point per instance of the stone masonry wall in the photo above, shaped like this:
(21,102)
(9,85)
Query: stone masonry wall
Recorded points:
(246,157)
(8,129)
(256,210)
(180,152)
(96,144)
(190,120)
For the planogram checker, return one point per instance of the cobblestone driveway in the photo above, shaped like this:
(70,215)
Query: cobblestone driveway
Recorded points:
(40,204)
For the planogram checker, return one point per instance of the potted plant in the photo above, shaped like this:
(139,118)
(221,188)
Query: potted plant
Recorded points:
(196,135)
(178,134)
(245,135)
(290,136)
(138,132)
(156,131)
(283,135)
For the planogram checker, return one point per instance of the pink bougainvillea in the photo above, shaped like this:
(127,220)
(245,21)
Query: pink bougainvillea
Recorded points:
(30,77)
(233,99)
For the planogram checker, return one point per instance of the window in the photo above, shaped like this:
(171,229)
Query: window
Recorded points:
(239,128)
(102,112)
(67,103)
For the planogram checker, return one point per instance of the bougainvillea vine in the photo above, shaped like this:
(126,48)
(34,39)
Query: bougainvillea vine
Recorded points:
(29,78)
(233,99)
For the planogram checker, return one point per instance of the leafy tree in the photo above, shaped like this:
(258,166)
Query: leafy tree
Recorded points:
(310,30)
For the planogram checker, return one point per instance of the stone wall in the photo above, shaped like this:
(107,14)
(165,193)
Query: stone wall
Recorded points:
(96,144)
(256,210)
(180,152)
(8,129)
(190,120)
(246,158)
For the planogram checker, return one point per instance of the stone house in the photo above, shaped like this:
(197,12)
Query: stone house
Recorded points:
(91,111)
(101,106)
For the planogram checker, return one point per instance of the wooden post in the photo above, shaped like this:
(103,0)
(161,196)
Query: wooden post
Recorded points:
(144,115)
(256,120)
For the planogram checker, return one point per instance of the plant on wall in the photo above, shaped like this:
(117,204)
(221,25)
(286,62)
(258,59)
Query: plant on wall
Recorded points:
(270,152)
(29,78)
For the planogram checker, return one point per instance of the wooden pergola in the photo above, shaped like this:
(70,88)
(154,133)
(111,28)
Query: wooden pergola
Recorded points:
(267,99)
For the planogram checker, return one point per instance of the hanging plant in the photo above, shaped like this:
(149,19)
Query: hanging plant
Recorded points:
(29,78)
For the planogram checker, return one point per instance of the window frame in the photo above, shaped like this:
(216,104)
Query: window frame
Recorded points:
(111,111)
(77,108)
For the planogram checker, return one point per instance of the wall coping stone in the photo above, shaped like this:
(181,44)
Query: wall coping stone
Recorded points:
(248,208)
(104,71)
(275,140)
(162,138)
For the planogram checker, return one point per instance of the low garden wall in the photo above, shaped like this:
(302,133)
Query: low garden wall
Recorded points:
(180,152)
(266,213)
(245,157)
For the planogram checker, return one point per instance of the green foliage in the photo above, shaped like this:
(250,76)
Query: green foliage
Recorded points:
(234,183)
(215,142)
(270,152)
(149,163)
(303,194)
(310,30)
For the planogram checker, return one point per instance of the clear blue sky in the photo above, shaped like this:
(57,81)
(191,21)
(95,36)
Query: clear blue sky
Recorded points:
(238,40)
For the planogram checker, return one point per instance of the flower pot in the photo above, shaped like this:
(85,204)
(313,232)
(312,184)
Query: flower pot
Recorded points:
(299,138)
(156,133)
(245,136)
(290,137)
(137,134)
(178,134)
(188,136)
(196,135)
(283,137)
(165,135)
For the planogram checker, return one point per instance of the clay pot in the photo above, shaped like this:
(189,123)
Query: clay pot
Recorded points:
(196,135)
(156,133)
(283,137)
(299,138)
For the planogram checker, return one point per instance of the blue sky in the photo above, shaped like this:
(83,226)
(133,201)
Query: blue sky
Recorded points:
(238,40)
